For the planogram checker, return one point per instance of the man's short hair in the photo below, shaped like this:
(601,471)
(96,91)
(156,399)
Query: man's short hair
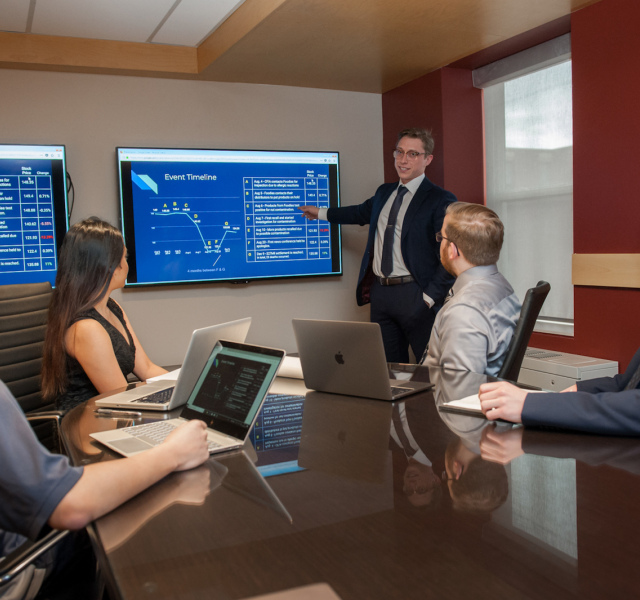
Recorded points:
(476,230)
(424,135)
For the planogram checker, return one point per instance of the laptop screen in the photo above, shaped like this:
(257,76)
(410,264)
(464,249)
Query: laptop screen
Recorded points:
(232,386)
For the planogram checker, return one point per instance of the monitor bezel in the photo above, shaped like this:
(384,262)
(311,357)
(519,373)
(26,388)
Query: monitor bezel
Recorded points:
(128,232)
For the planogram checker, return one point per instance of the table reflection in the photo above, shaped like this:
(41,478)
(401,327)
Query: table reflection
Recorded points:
(382,500)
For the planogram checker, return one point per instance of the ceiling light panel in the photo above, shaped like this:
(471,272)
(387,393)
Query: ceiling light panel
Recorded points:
(193,20)
(122,20)
(14,15)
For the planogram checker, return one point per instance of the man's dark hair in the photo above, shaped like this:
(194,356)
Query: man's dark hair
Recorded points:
(424,135)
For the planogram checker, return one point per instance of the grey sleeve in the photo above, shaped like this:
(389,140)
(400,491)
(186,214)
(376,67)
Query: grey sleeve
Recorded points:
(32,480)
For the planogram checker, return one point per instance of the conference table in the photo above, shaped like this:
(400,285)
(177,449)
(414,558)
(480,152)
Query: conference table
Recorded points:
(352,498)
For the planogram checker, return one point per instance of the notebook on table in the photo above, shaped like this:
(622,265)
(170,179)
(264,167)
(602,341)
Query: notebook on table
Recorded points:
(227,396)
(169,394)
(347,357)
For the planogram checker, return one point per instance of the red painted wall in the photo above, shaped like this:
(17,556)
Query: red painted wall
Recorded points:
(415,104)
(446,102)
(463,139)
(605,48)
(606,120)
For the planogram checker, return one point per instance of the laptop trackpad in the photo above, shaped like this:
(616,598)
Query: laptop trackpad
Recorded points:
(130,445)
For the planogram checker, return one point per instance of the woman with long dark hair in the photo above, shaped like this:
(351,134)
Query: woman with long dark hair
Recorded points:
(90,346)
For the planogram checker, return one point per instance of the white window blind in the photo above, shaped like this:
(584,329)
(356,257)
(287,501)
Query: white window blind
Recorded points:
(529,161)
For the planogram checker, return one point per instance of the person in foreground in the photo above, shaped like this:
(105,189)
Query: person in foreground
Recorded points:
(607,405)
(473,329)
(90,346)
(401,275)
(38,488)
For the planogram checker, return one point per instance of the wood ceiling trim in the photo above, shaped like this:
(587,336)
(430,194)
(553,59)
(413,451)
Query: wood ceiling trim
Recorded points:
(55,51)
(248,16)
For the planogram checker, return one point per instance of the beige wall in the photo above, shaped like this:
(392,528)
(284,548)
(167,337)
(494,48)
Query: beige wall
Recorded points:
(92,114)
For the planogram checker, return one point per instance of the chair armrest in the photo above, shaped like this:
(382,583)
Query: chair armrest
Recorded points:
(27,553)
(49,416)
(52,415)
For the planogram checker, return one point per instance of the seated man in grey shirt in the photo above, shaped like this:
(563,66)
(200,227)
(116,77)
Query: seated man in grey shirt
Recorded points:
(473,329)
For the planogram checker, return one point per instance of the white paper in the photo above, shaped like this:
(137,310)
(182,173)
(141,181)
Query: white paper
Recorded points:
(469,403)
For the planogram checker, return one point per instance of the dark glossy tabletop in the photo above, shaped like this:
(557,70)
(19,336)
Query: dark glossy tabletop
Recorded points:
(341,503)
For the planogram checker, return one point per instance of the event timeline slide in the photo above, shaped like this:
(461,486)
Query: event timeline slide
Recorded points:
(212,215)
(33,212)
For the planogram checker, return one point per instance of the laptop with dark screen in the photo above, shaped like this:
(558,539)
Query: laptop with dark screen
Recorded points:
(227,396)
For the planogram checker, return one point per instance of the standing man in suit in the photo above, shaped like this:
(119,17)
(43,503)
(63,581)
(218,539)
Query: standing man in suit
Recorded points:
(401,275)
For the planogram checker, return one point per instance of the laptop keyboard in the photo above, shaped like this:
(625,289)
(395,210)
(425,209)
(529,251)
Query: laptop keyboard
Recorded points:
(396,390)
(156,433)
(161,397)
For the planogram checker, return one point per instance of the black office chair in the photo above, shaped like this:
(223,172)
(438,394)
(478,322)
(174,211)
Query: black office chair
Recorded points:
(533,301)
(23,322)
(23,558)
(79,579)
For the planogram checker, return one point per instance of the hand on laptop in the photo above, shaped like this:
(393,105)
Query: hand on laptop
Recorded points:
(189,444)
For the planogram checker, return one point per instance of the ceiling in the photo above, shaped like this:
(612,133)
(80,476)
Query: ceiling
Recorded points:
(355,45)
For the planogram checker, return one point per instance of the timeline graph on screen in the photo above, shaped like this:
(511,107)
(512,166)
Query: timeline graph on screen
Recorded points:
(213,215)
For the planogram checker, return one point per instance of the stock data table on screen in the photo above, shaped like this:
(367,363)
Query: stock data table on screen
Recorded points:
(27,238)
(33,212)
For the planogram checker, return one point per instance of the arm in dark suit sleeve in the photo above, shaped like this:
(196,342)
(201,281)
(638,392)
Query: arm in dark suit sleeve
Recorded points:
(359,214)
(611,384)
(608,413)
(438,287)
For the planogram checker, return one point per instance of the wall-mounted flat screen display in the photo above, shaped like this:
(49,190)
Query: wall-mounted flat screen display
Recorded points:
(193,216)
(33,212)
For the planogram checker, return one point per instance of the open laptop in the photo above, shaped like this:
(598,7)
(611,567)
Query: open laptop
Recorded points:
(347,357)
(166,394)
(227,396)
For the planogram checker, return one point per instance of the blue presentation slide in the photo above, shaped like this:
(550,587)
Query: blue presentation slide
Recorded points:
(223,220)
(27,219)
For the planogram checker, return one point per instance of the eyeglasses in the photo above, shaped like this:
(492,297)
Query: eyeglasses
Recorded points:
(410,154)
(440,237)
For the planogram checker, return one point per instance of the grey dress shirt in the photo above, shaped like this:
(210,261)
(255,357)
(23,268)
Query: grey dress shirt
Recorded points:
(473,329)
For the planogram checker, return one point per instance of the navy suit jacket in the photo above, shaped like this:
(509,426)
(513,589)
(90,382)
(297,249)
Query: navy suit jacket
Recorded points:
(599,406)
(420,251)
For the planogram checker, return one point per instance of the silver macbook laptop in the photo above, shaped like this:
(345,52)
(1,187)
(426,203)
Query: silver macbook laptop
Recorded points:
(347,357)
(227,396)
(169,394)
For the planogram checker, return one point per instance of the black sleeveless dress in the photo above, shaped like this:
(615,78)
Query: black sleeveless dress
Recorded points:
(79,386)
